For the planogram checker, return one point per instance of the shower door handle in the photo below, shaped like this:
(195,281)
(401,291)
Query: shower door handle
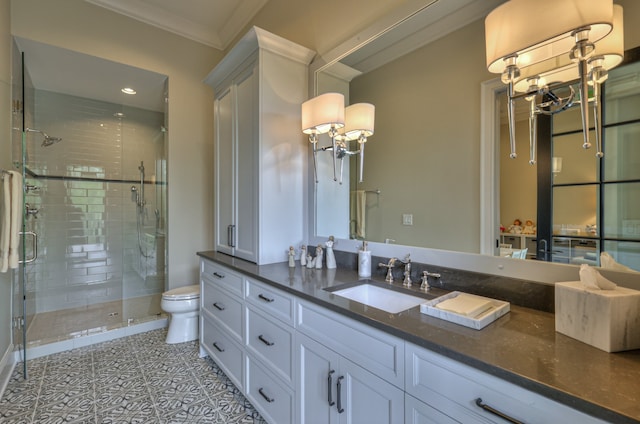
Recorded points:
(35,247)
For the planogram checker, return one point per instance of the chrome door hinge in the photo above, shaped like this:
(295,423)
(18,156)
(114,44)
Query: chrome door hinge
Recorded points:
(18,322)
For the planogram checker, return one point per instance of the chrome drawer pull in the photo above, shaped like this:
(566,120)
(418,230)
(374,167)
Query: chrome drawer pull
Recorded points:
(265,298)
(218,307)
(265,341)
(496,412)
(340,408)
(215,344)
(267,398)
(331,402)
(217,274)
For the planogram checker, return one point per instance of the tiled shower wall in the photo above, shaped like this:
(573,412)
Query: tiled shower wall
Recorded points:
(90,250)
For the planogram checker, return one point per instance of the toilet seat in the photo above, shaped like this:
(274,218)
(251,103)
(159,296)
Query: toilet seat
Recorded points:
(182,293)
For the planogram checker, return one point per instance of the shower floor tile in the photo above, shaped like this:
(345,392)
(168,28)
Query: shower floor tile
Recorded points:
(137,379)
(47,327)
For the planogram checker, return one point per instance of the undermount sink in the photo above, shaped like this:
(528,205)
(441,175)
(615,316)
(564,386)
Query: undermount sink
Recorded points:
(380,298)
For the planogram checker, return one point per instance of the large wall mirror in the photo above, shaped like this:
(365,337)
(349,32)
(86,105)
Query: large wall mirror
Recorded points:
(424,163)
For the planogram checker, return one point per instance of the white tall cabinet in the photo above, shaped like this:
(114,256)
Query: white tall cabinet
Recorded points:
(260,151)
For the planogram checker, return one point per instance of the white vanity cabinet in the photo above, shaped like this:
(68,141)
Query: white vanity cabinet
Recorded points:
(333,389)
(247,329)
(347,372)
(260,153)
(221,319)
(270,351)
(454,390)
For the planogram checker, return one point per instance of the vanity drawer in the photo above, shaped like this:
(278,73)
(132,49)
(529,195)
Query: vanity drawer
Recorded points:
(275,302)
(272,342)
(227,354)
(452,388)
(273,399)
(374,350)
(221,276)
(225,307)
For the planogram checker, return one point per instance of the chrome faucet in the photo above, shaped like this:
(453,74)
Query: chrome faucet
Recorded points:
(389,266)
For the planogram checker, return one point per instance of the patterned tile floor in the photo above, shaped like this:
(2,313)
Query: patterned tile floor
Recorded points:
(136,379)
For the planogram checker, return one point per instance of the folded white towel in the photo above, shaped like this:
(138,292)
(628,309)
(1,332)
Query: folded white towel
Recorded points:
(5,222)
(465,304)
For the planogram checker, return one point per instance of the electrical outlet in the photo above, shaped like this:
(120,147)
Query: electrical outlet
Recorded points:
(407,219)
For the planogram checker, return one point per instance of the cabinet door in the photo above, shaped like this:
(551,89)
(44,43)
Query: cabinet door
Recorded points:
(246,229)
(417,412)
(316,382)
(225,182)
(363,397)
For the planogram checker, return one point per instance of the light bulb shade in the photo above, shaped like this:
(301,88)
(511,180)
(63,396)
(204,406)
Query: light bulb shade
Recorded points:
(611,47)
(359,120)
(322,113)
(511,29)
(562,69)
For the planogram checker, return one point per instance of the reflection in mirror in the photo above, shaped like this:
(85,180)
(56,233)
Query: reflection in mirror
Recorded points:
(423,159)
(592,202)
(424,134)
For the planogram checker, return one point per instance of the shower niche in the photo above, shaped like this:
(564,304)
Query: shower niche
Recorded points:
(101,246)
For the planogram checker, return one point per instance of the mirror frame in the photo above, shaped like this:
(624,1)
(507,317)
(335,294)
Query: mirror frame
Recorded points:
(484,262)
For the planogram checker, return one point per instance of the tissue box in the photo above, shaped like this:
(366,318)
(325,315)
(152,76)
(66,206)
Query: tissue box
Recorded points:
(606,319)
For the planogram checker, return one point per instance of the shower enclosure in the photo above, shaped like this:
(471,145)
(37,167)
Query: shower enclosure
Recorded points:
(95,169)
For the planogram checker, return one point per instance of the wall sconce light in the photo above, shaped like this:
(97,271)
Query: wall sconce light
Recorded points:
(582,41)
(326,114)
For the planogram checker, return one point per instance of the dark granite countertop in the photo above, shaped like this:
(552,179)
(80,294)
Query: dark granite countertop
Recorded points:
(521,347)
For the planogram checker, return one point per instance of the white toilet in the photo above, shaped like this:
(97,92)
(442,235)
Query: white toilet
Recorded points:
(183,304)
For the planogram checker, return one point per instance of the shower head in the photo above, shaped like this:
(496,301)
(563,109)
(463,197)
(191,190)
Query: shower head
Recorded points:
(48,140)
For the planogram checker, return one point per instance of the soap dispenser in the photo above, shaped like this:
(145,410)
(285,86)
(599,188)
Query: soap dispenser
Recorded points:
(364,262)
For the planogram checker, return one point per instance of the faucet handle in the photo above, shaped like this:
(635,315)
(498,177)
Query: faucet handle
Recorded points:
(389,266)
(425,276)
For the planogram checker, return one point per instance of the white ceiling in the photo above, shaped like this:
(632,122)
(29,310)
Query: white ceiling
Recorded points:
(212,22)
(64,71)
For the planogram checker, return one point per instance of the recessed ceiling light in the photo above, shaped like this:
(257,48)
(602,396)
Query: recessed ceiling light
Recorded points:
(128,90)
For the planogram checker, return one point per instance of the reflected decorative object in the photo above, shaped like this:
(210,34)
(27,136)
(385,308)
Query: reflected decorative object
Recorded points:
(583,40)
(326,114)
(556,165)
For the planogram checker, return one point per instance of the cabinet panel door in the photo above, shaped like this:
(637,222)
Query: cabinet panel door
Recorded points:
(272,342)
(247,165)
(417,412)
(271,397)
(224,157)
(222,350)
(226,308)
(315,393)
(366,398)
